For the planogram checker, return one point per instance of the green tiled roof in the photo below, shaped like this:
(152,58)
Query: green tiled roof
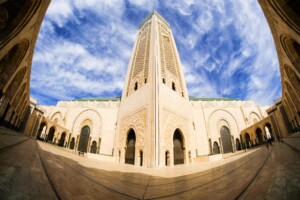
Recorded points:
(210,99)
(100,99)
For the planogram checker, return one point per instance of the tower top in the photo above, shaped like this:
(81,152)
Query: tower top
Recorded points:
(154,12)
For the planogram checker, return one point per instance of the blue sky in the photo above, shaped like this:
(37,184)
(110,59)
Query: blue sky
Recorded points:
(226,48)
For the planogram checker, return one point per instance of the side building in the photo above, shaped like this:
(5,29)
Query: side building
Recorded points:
(20,22)
(283,17)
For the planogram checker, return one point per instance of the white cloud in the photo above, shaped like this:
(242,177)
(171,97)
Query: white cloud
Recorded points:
(95,41)
(60,12)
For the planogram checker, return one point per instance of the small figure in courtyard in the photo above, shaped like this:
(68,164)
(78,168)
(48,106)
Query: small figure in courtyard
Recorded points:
(269,138)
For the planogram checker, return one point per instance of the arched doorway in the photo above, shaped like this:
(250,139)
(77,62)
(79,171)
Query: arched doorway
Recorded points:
(247,138)
(72,143)
(178,147)
(94,147)
(167,158)
(270,130)
(41,131)
(238,144)
(226,140)
(50,135)
(84,139)
(62,139)
(130,148)
(259,136)
(216,148)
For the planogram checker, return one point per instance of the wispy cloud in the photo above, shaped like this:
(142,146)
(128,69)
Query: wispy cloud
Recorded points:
(225,47)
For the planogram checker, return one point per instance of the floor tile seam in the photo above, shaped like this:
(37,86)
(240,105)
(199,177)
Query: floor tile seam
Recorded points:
(13,134)
(243,193)
(106,176)
(97,183)
(196,187)
(47,174)
(214,169)
(292,147)
(147,187)
(3,149)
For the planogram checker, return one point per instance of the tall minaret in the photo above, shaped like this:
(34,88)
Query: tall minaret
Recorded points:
(155,114)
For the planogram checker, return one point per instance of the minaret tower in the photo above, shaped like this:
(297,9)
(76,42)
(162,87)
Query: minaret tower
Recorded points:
(154,123)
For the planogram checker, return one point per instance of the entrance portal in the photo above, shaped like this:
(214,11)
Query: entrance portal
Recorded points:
(130,148)
(178,148)
(226,140)
(84,139)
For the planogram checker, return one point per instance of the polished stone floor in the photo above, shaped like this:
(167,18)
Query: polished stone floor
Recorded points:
(31,169)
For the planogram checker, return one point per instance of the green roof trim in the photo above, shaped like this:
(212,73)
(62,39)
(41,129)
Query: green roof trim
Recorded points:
(100,99)
(210,99)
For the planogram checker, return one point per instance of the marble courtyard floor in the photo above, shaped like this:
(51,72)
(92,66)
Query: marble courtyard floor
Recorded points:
(31,169)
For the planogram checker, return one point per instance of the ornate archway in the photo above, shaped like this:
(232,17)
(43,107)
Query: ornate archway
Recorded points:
(130,147)
(178,147)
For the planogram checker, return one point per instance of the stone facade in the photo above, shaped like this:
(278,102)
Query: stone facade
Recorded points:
(209,116)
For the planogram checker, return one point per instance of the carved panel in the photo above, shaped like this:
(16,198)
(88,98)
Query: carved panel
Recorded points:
(219,118)
(171,122)
(136,122)
(86,115)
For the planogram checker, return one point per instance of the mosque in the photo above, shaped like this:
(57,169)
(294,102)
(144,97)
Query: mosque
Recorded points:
(155,122)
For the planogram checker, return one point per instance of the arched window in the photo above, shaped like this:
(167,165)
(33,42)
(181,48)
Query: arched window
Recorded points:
(173,86)
(135,86)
